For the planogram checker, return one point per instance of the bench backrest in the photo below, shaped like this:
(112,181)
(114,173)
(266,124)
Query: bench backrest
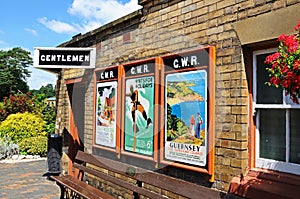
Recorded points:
(176,186)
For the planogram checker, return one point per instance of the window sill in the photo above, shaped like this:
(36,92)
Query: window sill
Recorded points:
(259,183)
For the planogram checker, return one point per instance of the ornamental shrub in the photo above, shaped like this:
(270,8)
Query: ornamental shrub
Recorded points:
(22,125)
(35,104)
(18,103)
(34,146)
(7,148)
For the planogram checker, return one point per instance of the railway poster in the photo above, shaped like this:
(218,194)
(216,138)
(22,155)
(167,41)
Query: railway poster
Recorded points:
(186,117)
(106,107)
(139,113)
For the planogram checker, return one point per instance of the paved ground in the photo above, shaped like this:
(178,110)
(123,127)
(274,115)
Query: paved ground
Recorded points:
(26,180)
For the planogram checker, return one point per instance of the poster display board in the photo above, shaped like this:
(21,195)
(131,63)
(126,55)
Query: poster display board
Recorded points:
(186,116)
(139,108)
(159,109)
(106,105)
(188,108)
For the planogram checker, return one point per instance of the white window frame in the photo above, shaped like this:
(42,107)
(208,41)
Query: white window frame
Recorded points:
(287,105)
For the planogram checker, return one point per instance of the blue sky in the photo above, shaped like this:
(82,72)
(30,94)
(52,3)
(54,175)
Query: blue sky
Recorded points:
(48,23)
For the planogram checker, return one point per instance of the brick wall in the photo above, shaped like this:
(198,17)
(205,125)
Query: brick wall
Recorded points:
(173,26)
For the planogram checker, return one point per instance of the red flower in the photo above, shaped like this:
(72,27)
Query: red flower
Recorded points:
(275,81)
(296,65)
(284,69)
(285,84)
(291,42)
(294,98)
(281,37)
(298,26)
(269,59)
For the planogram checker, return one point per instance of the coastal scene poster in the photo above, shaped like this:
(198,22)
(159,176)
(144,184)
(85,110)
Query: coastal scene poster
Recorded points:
(106,107)
(139,115)
(186,116)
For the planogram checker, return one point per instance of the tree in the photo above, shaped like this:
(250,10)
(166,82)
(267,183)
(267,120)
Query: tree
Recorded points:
(13,71)
(47,91)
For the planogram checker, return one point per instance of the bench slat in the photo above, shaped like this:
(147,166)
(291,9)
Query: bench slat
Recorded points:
(164,182)
(187,189)
(74,187)
(119,182)
(90,188)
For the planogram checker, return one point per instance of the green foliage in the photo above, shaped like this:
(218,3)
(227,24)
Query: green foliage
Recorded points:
(48,91)
(175,126)
(171,135)
(34,146)
(48,112)
(22,125)
(13,71)
(37,105)
(49,116)
(182,128)
(7,148)
(19,103)
(169,118)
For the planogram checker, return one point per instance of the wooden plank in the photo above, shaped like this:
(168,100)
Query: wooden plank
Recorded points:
(177,186)
(91,189)
(74,187)
(121,183)
(187,189)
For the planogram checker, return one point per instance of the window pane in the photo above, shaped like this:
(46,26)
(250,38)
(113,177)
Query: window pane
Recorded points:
(289,101)
(265,94)
(295,136)
(272,134)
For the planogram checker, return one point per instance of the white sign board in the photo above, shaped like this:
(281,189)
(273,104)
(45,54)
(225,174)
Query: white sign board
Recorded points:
(64,57)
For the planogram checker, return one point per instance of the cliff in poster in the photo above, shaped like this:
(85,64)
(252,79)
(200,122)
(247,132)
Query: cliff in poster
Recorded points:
(178,92)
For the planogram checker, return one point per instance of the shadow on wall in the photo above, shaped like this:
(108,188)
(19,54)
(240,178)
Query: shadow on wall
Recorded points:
(71,146)
(73,139)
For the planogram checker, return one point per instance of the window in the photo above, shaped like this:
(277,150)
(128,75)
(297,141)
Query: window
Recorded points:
(277,122)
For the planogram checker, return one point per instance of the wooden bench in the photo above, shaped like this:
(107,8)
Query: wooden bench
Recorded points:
(133,180)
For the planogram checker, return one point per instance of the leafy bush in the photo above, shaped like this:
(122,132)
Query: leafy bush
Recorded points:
(19,103)
(7,148)
(35,104)
(34,145)
(49,116)
(22,125)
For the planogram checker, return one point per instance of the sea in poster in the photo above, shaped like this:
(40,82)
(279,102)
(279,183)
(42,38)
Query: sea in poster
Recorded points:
(186,116)
(106,106)
(139,115)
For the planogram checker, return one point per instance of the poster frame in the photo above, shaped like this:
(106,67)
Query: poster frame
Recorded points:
(210,68)
(118,115)
(155,122)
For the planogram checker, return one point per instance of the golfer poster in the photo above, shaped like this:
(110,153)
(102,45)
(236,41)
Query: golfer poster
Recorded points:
(186,117)
(106,106)
(139,114)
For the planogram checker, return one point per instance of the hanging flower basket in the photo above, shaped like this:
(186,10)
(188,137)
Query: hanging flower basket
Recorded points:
(284,70)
